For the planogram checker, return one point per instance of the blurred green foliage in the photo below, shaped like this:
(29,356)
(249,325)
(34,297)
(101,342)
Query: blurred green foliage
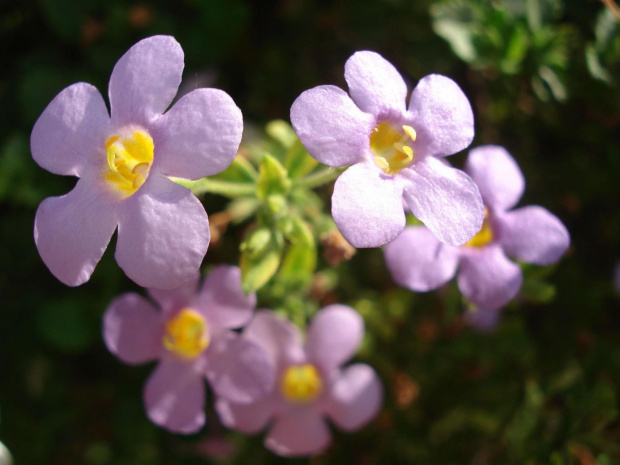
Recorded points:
(542,77)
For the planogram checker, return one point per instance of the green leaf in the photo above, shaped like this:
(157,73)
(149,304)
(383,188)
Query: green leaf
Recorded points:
(297,161)
(64,324)
(240,170)
(282,132)
(300,258)
(273,178)
(260,257)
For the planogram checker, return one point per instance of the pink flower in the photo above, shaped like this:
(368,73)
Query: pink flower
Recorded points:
(123,162)
(396,152)
(192,340)
(418,261)
(311,384)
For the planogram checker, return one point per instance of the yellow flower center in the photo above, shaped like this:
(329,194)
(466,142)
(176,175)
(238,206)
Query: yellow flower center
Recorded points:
(485,235)
(187,334)
(301,383)
(130,157)
(389,146)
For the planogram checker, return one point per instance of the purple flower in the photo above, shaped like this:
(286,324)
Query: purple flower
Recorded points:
(418,261)
(396,152)
(483,320)
(192,340)
(311,384)
(617,277)
(123,162)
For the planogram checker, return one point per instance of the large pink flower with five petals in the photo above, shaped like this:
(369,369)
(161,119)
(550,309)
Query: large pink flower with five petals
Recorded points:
(395,151)
(311,385)
(123,160)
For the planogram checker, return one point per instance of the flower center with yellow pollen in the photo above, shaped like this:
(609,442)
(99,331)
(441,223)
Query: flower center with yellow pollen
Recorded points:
(389,146)
(187,334)
(485,235)
(301,384)
(130,157)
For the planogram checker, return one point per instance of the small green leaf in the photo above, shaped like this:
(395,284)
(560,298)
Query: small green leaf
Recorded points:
(300,259)
(273,178)
(260,257)
(297,161)
(282,132)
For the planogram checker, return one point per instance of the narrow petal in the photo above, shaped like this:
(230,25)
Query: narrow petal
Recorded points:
(333,337)
(174,397)
(71,131)
(355,397)
(488,279)
(179,297)
(278,337)
(238,369)
(418,261)
(247,418)
(73,231)
(222,299)
(374,84)
(445,199)
(145,80)
(533,234)
(331,127)
(367,206)
(133,329)
(497,175)
(298,432)
(199,136)
(442,117)
(163,234)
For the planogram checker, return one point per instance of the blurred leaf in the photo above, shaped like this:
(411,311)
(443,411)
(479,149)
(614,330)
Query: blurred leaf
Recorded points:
(273,178)
(64,323)
(260,257)
(299,260)
(452,21)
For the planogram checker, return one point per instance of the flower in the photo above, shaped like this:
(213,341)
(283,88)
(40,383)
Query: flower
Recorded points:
(123,162)
(483,320)
(396,152)
(311,384)
(486,276)
(192,340)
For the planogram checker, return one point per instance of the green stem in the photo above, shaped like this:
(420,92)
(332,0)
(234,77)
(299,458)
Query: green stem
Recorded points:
(227,189)
(319,178)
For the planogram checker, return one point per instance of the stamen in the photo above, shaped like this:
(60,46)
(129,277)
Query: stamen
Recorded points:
(485,236)
(187,334)
(391,148)
(410,132)
(129,157)
(301,383)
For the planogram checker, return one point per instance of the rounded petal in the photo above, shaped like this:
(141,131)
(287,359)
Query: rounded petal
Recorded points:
(418,261)
(497,175)
(247,418)
(374,84)
(222,300)
(331,127)
(71,130)
(488,279)
(445,199)
(532,234)
(133,329)
(73,231)
(298,432)
(333,337)
(145,80)
(278,337)
(238,369)
(163,234)
(173,299)
(355,397)
(483,320)
(174,397)
(442,117)
(367,206)
(199,136)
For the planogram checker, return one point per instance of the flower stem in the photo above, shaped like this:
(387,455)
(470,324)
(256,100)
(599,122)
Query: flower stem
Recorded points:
(226,188)
(319,178)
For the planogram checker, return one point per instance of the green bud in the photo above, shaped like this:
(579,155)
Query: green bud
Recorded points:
(260,258)
(273,178)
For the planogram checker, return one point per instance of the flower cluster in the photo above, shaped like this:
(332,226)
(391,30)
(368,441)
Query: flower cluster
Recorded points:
(265,375)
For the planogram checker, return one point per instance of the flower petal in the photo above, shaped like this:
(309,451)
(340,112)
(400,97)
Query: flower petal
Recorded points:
(247,418)
(133,329)
(222,299)
(533,234)
(442,117)
(73,231)
(298,432)
(174,299)
(497,175)
(355,397)
(483,320)
(331,127)
(333,337)
(199,136)
(278,337)
(418,261)
(163,234)
(145,80)
(238,369)
(488,279)
(374,84)
(445,199)
(367,206)
(71,130)
(174,397)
